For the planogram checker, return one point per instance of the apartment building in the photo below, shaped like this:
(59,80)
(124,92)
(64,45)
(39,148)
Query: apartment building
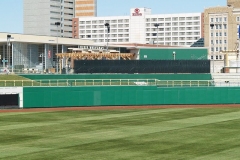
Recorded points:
(140,27)
(221,28)
(40,16)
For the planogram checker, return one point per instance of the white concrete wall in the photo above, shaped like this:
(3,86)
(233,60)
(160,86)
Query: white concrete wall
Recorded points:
(14,90)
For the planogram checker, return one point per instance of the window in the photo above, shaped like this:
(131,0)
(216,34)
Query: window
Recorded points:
(212,49)
(225,26)
(225,34)
(211,57)
(217,49)
(217,34)
(211,34)
(225,41)
(216,41)
(216,19)
(225,19)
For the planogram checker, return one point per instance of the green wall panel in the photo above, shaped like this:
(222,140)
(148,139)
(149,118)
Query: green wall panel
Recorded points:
(167,54)
(34,97)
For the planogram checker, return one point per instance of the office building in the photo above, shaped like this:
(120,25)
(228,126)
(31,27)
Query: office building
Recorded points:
(40,16)
(140,27)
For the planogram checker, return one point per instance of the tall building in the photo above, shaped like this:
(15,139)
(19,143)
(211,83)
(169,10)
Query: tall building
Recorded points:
(140,27)
(40,16)
(221,27)
(85,8)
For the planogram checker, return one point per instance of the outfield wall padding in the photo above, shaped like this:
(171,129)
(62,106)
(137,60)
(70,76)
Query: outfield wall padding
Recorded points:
(35,97)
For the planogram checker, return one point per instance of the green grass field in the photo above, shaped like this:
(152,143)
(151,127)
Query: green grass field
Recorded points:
(211,133)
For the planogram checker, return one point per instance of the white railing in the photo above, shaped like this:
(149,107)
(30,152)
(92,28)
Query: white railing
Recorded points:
(107,82)
(185,83)
(78,82)
(227,83)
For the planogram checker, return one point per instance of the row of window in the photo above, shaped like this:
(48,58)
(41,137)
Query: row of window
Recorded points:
(147,29)
(147,40)
(219,19)
(219,34)
(173,19)
(217,49)
(174,24)
(173,34)
(219,26)
(219,42)
(148,20)
(220,57)
(105,21)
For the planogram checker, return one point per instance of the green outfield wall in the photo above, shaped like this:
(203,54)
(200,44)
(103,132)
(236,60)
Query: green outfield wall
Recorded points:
(121,76)
(180,54)
(34,97)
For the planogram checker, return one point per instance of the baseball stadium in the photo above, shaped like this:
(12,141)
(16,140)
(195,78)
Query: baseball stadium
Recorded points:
(131,103)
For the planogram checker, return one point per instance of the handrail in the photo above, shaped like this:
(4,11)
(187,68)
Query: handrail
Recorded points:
(109,82)
(77,82)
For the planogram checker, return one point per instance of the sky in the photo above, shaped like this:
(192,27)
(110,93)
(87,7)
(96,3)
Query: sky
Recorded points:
(11,11)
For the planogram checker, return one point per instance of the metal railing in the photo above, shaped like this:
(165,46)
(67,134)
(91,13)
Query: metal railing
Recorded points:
(185,83)
(107,82)
(77,82)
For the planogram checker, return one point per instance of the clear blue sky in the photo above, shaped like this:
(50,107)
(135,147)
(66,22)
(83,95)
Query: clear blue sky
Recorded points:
(11,11)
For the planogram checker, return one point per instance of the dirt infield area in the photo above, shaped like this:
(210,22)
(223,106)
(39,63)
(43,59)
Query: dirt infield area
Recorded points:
(118,108)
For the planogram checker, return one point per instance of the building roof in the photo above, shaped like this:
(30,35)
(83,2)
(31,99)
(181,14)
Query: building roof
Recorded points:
(43,39)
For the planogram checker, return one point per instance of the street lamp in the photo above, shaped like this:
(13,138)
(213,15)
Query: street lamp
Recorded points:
(8,49)
(174,55)
(157,25)
(108,30)
(212,27)
(42,55)
(57,24)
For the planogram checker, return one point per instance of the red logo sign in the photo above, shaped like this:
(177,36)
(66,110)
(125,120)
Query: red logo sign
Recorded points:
(137,12)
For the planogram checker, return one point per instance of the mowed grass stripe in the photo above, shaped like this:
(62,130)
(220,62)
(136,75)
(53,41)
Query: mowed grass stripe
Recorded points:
(19,125)
(123,132)
(111,135)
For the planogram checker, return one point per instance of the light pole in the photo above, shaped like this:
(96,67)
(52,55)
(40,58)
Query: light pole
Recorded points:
(8,54)
(212,27)
(108,30)
(57,24)
(42,55)
(174,55)
(157,25)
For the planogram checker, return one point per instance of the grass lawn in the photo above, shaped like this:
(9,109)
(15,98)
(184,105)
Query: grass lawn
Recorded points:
(122,134)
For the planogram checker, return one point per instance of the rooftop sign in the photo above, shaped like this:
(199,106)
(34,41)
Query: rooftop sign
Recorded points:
(136,12)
